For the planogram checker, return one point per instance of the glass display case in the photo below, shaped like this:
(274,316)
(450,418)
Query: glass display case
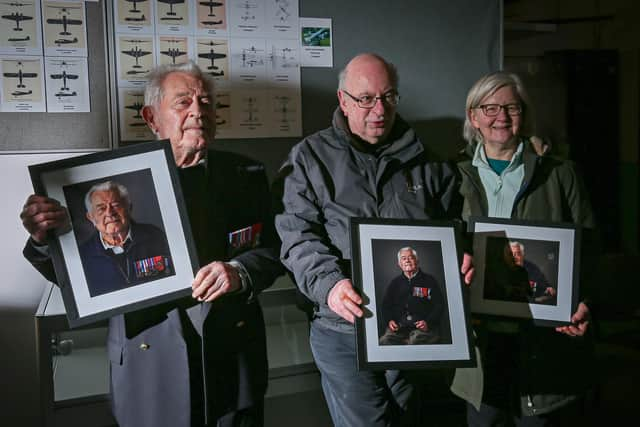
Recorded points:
(73,367)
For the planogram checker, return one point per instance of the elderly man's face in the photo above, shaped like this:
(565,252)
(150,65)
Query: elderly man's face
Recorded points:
(186,116)
(109,213)
(368,76)
(518,255)
(408,262)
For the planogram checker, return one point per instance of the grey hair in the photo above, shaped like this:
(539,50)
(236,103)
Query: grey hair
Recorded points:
(391,69)
(408,248)
(153,93)
(487,86)
(107,186)
(514,243)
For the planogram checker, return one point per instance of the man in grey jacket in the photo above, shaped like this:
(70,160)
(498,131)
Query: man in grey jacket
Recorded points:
(369,163)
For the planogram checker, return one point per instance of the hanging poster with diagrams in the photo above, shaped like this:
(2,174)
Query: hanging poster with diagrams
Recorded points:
(65,28)
(211,18)
(283,64)
(174,49)
(248,58)
(249,112)
(246,17)
(132,125)
(223,113)
(282,18)
(251,48)
(22,82)
(284,110)
(135,59)
(213,58)
(20,28)
(173,17)
(134,16)
(67,85)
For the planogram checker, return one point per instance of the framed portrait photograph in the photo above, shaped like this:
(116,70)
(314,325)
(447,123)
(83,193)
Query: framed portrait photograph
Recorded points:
(525,269)
(408,274)
(129,245)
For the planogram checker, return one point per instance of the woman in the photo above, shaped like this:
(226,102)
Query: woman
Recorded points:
(535,376)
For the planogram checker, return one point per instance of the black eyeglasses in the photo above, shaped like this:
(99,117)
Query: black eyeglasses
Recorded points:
(492,110)
(367,101)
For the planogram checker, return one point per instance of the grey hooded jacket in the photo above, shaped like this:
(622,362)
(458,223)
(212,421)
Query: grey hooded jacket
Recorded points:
(330,177)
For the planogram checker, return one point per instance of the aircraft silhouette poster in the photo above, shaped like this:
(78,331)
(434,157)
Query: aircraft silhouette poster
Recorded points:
(173,16)
(136,58)
(173,49)
(65,29)
(211,18)
(67,85)
(132,125)
(223,115)
(213,58)
(134,16)
(251,48)
(22,84)
(20,28)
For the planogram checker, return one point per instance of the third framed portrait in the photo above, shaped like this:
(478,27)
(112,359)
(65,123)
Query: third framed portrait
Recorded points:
(525,269)
(409,277)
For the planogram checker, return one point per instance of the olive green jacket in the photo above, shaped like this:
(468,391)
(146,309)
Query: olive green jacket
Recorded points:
(556,367)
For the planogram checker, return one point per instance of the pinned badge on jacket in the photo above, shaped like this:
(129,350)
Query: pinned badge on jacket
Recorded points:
(245,238)
(422,292)
(152,266)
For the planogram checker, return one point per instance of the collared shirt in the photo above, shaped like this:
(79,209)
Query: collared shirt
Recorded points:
(117,249)
(203,162)
(412,275)
(501,190)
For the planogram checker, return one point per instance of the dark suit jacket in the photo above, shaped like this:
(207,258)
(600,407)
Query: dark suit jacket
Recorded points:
(160,372)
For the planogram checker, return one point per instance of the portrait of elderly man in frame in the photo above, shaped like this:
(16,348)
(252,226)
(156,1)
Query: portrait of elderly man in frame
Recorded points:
(410,293)
(120,232)
(521,270)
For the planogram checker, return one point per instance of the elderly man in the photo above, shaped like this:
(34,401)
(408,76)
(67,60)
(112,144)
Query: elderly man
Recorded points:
(122,252)
(369,163)
(412,304)
(185,364)
(540,292)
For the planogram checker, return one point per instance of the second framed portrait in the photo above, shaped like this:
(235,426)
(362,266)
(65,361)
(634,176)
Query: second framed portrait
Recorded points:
(409,277)
(526,270)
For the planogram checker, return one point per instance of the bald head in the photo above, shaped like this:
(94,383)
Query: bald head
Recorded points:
(364,58)
(368,76)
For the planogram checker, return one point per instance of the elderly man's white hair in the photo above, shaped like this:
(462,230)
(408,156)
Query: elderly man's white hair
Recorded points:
(107,186)
(408,248)
(153,93)
(515,243)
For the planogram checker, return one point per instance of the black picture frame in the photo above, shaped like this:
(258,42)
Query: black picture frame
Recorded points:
(158,212)
(375,246)
(544,287)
